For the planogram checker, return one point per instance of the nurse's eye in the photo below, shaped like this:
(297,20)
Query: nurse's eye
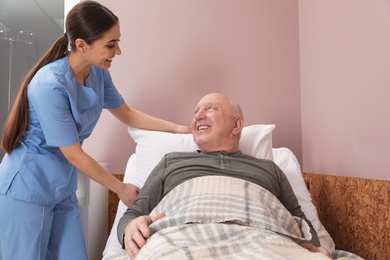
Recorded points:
(112,44)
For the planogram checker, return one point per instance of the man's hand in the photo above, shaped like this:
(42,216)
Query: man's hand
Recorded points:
(313,248)
(136,233)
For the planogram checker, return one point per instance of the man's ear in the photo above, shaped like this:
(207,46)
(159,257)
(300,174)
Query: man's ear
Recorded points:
(81,45)
(238,125)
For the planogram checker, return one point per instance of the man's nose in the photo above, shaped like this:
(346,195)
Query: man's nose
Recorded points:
(199,115)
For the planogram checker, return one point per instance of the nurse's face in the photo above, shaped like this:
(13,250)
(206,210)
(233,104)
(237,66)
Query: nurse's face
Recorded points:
(102,51)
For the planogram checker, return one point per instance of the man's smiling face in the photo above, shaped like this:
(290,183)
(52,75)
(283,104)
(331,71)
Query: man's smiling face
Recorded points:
(213,123)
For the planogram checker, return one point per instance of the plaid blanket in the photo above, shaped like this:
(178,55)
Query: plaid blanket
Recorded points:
(217,217)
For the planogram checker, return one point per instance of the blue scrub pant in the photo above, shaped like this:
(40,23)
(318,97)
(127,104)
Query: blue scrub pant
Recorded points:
(36,232)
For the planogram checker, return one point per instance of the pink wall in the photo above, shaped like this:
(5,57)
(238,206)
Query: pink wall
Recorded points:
(174,52)
(345,87)
(333,66)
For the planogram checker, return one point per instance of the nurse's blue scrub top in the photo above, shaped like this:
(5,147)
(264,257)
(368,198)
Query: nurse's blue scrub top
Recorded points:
(61,113)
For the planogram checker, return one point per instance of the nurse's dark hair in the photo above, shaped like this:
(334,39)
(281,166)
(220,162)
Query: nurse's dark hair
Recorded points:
(88,20)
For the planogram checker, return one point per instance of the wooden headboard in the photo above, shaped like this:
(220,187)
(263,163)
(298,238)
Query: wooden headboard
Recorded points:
(113,201)
(354,211)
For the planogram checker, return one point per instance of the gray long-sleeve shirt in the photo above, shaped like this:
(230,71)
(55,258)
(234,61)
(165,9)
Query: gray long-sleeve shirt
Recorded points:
(178,167)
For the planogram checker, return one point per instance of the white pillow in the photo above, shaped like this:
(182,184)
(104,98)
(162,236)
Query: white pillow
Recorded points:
(256,140)
(289,164)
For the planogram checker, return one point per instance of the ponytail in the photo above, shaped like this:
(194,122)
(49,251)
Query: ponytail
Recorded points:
(17,121)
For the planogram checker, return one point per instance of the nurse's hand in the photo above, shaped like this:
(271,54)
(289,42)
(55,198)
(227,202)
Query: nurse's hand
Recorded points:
(127,193)
(182,129)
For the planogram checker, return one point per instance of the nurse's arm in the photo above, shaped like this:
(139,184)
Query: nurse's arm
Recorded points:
(87,165)
(137,119)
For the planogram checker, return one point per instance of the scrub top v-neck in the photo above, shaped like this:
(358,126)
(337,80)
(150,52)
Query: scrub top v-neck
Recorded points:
(61,113)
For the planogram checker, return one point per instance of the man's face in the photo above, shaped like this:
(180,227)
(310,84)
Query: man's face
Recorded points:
(213,123)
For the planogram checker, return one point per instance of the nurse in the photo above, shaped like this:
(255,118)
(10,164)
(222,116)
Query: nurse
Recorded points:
(56,109)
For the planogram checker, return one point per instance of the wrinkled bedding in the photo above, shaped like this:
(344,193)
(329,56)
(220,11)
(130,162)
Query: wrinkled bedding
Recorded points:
(218,217)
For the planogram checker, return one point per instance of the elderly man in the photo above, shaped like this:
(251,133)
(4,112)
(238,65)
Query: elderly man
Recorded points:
(216,126)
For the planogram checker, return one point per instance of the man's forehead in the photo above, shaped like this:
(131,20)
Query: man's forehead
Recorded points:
(207,103)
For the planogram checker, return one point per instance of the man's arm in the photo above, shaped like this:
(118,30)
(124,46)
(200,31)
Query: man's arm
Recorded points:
(147,199)
(289,200)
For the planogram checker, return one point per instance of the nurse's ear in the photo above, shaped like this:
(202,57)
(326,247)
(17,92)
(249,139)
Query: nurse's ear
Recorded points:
(81,45)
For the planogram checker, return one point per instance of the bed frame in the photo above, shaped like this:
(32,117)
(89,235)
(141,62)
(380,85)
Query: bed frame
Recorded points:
(355,212)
